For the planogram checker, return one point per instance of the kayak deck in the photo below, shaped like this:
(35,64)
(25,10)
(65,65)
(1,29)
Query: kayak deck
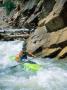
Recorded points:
(27,65)
(31,66)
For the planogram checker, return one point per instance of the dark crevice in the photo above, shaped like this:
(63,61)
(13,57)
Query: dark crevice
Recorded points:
(63,14)
(29,12)
(64,56)
(34,42)
(1,37)
(54,54)
(32,24)
(1,2)
(61,45)
(38,50)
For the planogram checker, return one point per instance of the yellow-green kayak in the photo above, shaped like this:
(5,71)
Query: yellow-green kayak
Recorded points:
(28,65)
(31,66)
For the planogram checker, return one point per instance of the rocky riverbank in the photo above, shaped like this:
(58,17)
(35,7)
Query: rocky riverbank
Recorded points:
(48,18)
(50,38)
(48,44)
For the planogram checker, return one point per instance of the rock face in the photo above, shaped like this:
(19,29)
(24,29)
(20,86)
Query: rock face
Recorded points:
(55,17)
(49,19)
(36,39)
(43,43)
(50,38)
(33,13)
(3,18)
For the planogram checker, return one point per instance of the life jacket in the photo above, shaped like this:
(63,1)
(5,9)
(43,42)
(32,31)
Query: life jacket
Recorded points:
(18,56)
(24,56)
(21,56)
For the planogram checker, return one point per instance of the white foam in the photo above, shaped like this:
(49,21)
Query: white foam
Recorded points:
(8,49)
(51,77)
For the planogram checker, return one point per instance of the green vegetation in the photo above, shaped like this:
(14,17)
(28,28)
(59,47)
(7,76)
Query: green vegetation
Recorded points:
(9,6)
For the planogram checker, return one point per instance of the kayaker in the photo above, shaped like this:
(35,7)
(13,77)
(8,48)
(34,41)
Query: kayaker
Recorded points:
(22,56)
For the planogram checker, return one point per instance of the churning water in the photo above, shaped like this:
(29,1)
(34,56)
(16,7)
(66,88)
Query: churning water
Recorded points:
(52,76)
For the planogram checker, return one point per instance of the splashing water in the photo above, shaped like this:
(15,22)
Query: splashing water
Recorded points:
(52,76)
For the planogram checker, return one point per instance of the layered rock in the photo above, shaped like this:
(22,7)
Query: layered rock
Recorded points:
(3,18)
(63,52)
(35,13)
(46,44)
(54,13)
(49,19)
(50,38)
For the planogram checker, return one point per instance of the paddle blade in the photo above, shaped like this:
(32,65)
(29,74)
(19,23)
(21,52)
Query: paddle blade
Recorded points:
(12,58)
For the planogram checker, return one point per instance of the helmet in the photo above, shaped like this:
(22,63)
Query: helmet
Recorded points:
(24,46)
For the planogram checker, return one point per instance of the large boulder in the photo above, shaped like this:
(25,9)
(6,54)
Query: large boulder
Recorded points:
(56,19)
(36,39)
(45,44)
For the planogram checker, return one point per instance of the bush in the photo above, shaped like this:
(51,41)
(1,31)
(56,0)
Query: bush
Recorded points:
(9,6)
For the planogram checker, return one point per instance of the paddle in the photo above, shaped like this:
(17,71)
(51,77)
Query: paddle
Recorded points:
(28,65)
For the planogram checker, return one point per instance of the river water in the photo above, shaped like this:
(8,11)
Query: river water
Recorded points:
(52,75)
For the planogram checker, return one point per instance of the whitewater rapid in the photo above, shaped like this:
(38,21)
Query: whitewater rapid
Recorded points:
(52,76)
